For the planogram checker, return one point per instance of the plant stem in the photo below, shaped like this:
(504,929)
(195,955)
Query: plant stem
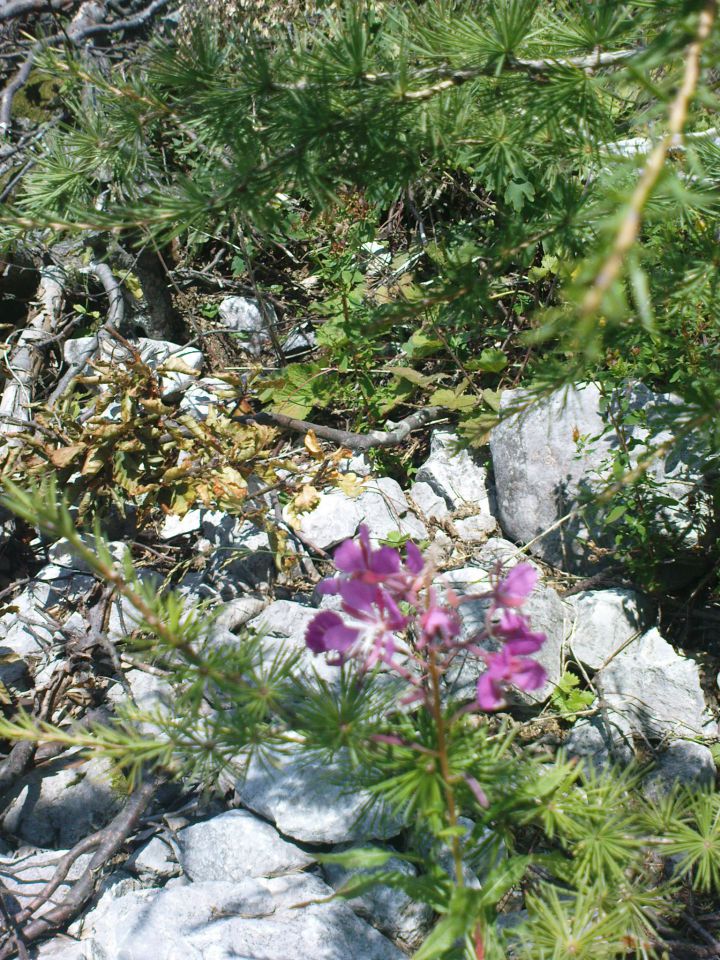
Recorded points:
(436,708)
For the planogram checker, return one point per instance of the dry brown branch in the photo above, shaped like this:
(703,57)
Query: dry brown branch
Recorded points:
(630,226)
(106,843)
(359,442)
(25,361)
(21,7)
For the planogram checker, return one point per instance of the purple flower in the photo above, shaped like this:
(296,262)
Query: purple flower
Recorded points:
(515,630)
(514,589)
(438,623)
(503,670)
(358,561)
(327,632)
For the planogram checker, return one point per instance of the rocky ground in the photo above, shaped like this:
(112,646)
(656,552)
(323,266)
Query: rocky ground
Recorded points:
(221,875)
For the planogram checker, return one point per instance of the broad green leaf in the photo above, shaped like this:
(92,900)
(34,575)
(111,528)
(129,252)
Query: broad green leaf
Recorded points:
(454,400)
(421,345)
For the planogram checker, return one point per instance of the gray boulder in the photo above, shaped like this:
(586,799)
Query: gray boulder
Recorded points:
(236,845)
(682,762)
(24,875)
(382,507)
(540,471)
(62,802)
(654,690)
(306,802)
(389,909)
(252,918)
(605,620)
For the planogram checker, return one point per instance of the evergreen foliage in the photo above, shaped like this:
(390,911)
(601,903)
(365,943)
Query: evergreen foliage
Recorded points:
(516,139)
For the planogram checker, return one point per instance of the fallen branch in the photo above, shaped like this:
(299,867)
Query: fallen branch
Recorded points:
(21,7)
(106,843)
(359,442)
(116,315)
(25,361)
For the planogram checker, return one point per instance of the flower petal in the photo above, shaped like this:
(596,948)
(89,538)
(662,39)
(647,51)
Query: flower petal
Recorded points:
(489,693)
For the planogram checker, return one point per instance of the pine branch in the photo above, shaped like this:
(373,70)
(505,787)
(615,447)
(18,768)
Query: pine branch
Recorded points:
(630,226)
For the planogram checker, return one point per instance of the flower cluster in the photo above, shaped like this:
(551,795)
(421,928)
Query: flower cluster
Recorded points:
(391,615)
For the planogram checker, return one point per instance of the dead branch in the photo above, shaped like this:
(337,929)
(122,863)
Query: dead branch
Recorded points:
(25,361)
(116,315)
(21,7)
(106,843)
(359,442)
(84,25)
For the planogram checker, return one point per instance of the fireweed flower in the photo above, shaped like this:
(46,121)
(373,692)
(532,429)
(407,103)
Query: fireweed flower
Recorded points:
(514,589)
(372,584)
(505,670)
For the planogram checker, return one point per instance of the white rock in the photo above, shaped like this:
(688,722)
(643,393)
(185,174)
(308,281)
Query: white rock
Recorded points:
(157,860)
(656,691)
(454,475)
(243,315)
(202,395)
(241,551)
(299,340)
(600,741)
(307,804)
(389,909)
(475,529)
(382,507)
(604,621)
(236,845)
(61,802)
(432,505)
(539,471)
(215,920)
(176,526)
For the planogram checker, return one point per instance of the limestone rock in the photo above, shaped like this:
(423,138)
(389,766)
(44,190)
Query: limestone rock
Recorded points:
(215,920)
(604,621)
(61,802)
(389,909)
(306,803)
(540,471)
(243,315)
(655,690)
(236,845)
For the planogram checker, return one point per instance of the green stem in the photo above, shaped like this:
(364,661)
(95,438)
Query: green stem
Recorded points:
(436,707)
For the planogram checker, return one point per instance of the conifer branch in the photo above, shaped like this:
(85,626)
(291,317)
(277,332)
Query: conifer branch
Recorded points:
(630,226)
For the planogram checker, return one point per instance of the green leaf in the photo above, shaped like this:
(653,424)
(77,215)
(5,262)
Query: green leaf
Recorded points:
(421,345)
(616,513)
(359,858)
(491,360)
(517,192)
(454,400)
(414,376)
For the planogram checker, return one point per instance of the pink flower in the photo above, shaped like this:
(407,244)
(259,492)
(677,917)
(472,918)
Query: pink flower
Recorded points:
(514,629)
(514,589)
(503,670)
(327,632)
(358,561)
(438,623)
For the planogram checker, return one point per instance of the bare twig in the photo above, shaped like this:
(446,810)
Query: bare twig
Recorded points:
(21,7)
(25,361)
(630,226)
(107,843)
(354,441)
(116,315)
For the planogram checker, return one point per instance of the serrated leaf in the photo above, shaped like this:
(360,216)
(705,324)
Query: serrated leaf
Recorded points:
(421,345)
(453,400)
(63,456)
